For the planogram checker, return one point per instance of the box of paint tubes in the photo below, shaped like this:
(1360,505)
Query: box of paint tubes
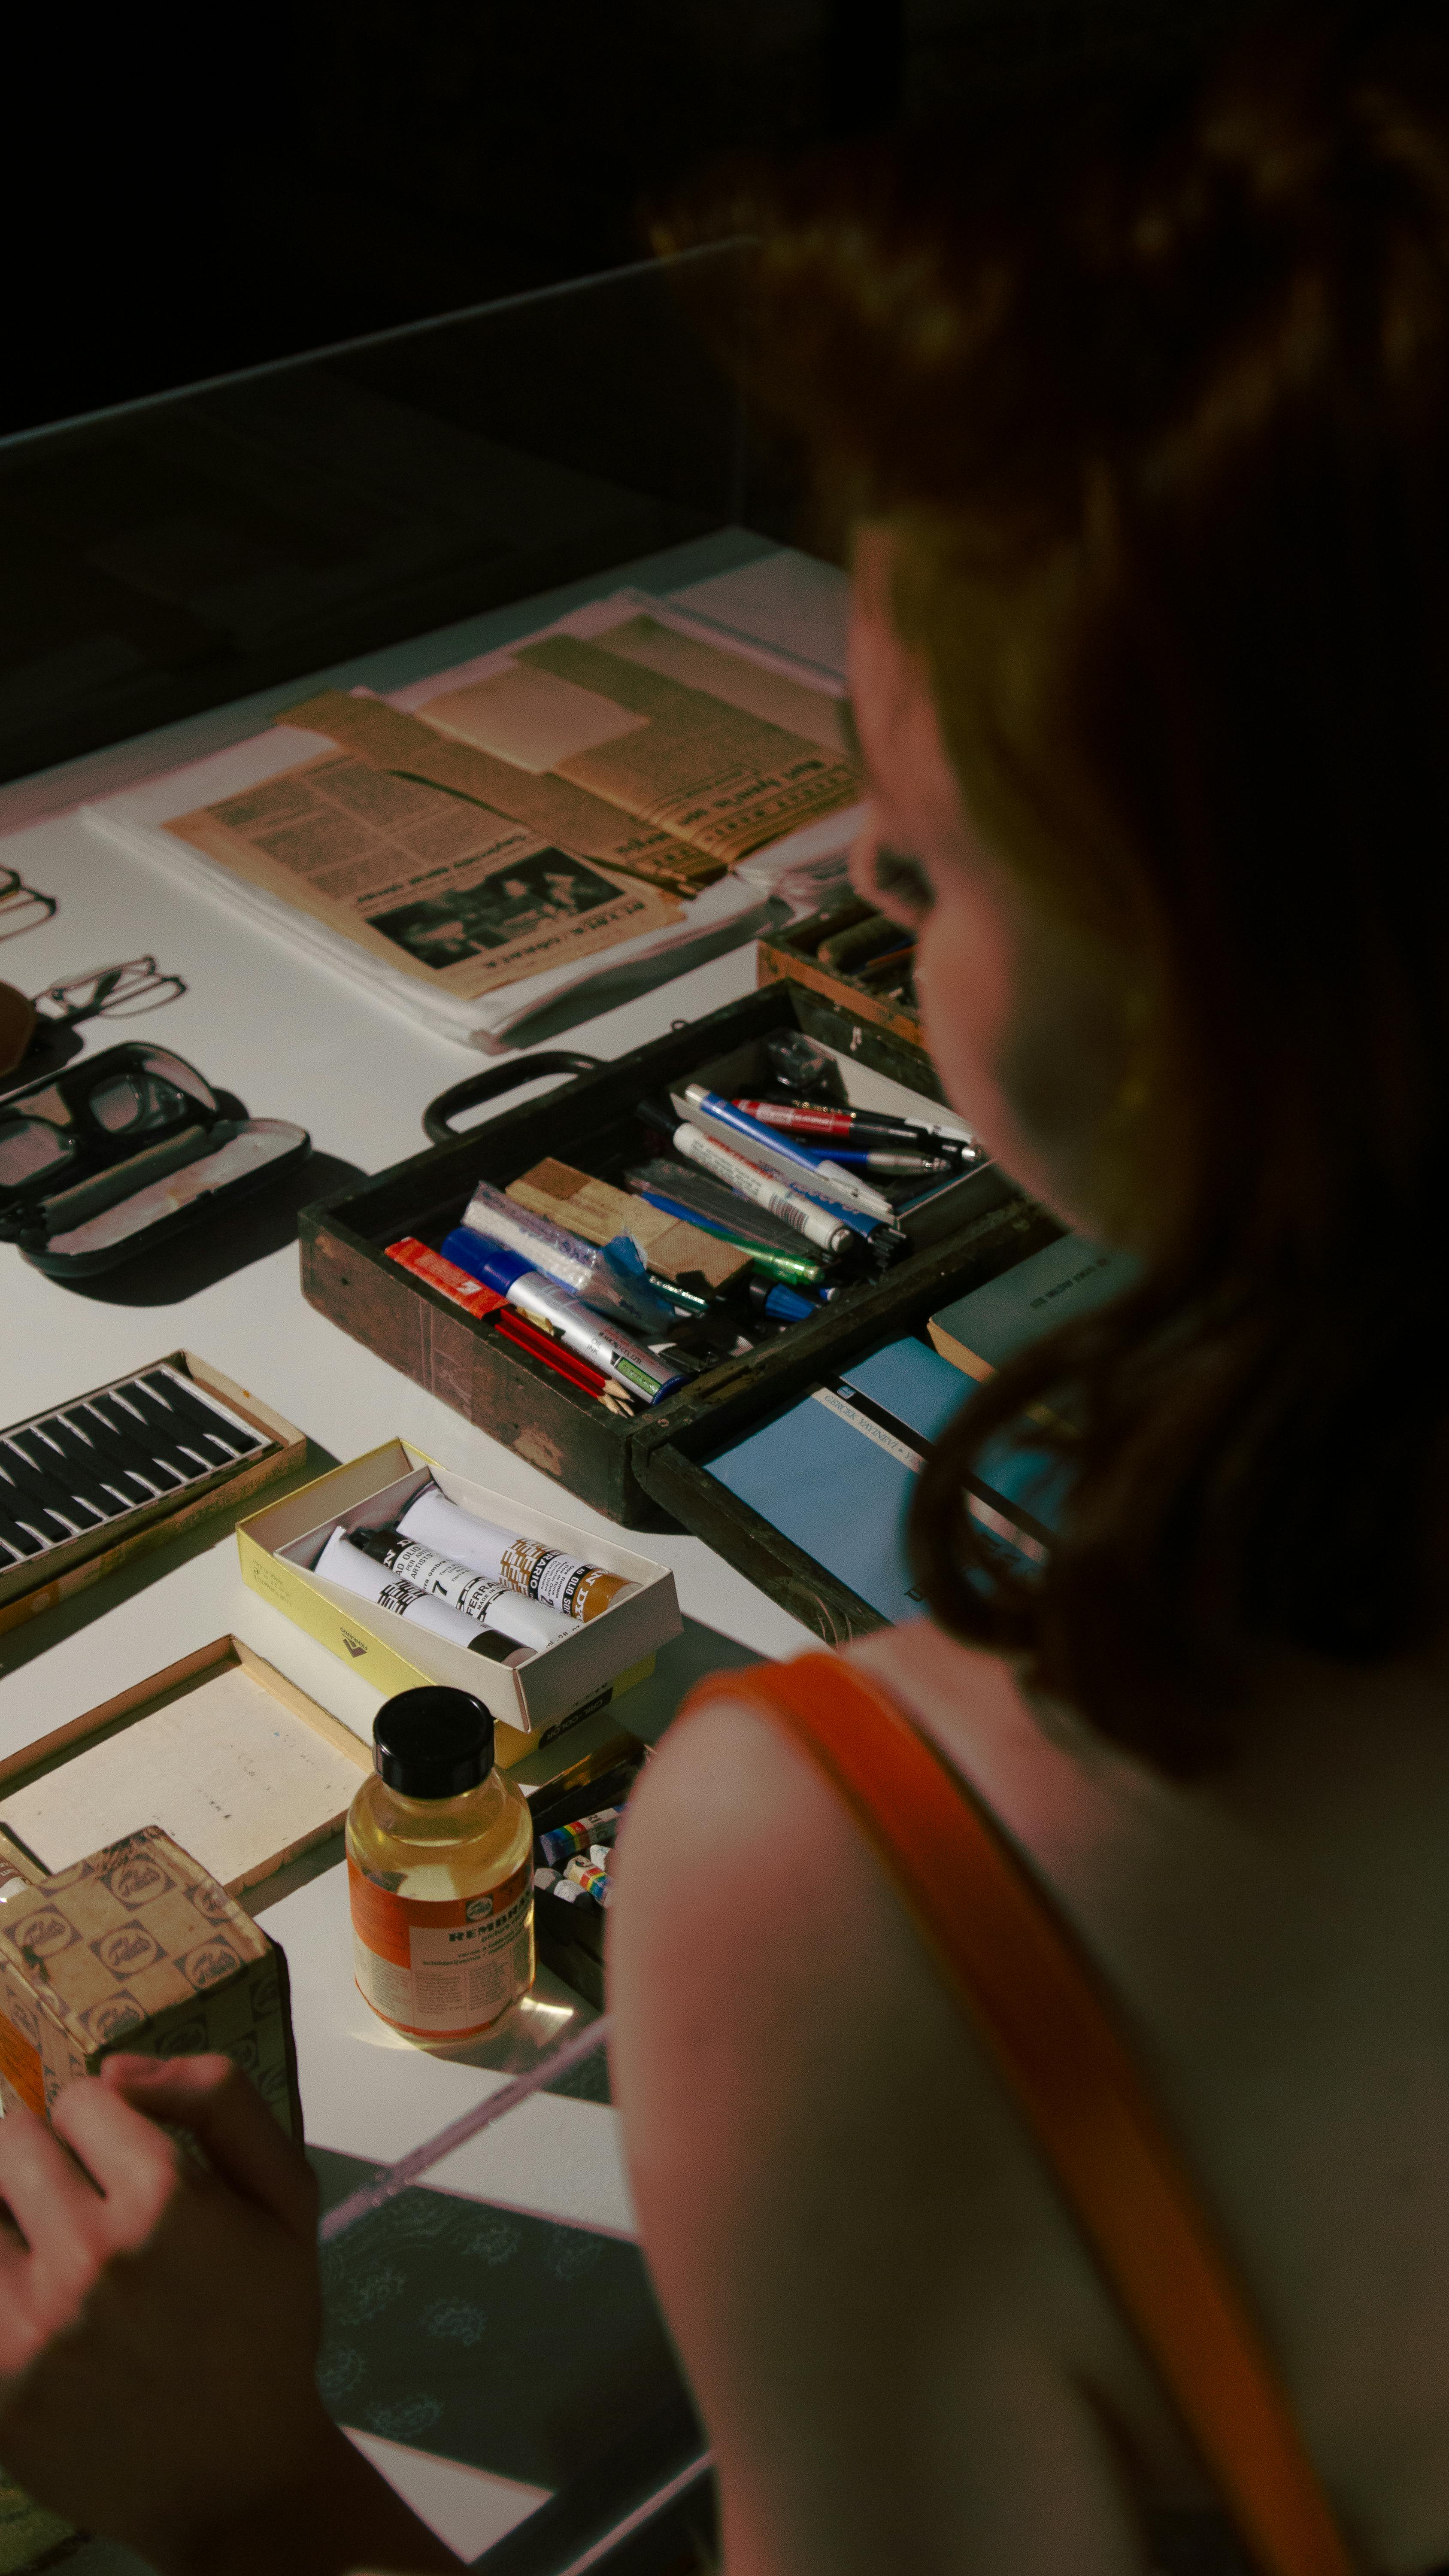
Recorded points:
(414,1574)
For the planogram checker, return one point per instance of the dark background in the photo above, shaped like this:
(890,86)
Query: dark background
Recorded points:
(187,192)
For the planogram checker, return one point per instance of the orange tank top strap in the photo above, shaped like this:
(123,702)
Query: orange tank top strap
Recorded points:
(1020,1974)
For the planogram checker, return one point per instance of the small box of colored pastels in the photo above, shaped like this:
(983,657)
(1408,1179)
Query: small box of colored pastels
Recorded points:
(414,1574)
(87,1483)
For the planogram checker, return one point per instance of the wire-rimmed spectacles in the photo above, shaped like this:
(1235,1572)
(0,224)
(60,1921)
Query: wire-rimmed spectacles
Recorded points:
(17,897)
(108,992)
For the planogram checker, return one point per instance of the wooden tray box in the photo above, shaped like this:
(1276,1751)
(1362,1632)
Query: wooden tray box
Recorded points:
(885,1035)
(964,1234)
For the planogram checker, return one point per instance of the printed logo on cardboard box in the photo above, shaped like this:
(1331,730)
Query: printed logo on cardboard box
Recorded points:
(127,1951)
(205,1977)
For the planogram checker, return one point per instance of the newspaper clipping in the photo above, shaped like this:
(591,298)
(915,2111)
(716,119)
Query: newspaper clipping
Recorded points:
(447,889)
(541,808)
(704,744)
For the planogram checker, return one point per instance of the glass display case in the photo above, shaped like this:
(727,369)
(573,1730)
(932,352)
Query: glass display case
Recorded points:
(193,550)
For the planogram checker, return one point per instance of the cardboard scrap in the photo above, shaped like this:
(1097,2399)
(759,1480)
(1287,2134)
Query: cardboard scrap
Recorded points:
(598,1212)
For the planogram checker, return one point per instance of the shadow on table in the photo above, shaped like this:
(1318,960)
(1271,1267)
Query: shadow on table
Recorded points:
(20,1646)
(647,1709)
(233,1241)
(515,2344)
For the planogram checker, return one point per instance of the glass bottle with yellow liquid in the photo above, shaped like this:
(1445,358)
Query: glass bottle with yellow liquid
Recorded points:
(440,1872)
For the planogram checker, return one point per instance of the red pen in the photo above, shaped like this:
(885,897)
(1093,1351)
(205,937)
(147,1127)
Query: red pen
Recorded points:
(854,1126)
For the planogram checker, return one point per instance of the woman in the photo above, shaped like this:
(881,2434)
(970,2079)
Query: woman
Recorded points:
(1143,443)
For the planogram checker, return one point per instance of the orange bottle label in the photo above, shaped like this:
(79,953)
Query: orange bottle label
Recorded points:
(442,1970)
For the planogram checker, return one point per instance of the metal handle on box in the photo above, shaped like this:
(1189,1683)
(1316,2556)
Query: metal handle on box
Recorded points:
(440,1113)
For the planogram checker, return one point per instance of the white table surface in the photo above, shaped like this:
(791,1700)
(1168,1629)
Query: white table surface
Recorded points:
(296,1042)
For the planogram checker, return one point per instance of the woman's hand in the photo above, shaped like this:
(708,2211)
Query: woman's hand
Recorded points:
(159,2324)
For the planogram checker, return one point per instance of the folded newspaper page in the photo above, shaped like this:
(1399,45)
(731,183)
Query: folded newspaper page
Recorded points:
(706,745)
(447,890)
(362,862)
(410,748)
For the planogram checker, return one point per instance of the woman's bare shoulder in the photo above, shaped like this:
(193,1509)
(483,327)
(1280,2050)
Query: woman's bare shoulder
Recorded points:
(835,2199)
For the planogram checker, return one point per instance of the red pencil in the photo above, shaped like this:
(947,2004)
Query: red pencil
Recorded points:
(517,1328)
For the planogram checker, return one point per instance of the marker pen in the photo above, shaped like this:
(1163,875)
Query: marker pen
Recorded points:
(781,1305)
(340,1562)
(808,1168)
(787,1266)
(589,1271)
(22,1500)
(805,1119)
(876,1158)
(78,1468)
(832,1233)
(47,1492)
(166,1390)
(682,1201)
(590,1335)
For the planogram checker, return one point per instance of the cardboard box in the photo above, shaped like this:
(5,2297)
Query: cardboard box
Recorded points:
(137,1948)
(604,1657)
(39,1583)
(235,1763)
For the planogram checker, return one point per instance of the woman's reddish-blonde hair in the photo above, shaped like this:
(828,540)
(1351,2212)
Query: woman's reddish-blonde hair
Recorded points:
(1156,397)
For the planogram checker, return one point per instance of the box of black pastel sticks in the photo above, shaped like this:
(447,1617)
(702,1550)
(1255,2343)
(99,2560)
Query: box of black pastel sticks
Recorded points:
(99,1477)
(373,1261)
(595,1612)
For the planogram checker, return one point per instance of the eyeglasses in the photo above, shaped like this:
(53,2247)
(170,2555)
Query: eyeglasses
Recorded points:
(44,1130)
(108,992)
(17,899)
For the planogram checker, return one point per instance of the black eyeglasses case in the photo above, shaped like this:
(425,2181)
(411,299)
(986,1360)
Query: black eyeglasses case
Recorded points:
(121,1152)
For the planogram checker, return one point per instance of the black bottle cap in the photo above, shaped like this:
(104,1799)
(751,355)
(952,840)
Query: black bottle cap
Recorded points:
(433,1742)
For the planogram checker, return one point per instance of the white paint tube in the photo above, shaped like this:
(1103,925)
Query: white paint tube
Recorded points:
(565,1584)
(494,1603)
(341,1562)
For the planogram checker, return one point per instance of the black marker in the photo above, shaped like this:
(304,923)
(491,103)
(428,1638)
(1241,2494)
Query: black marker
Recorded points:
(22,1506)
(78,1468)
(21,1542)
(182,1420)
(183,1447)
(103,1464)
(146,1447)
(179,1398)
(142,1481)
(40,1490)
(131,1455)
